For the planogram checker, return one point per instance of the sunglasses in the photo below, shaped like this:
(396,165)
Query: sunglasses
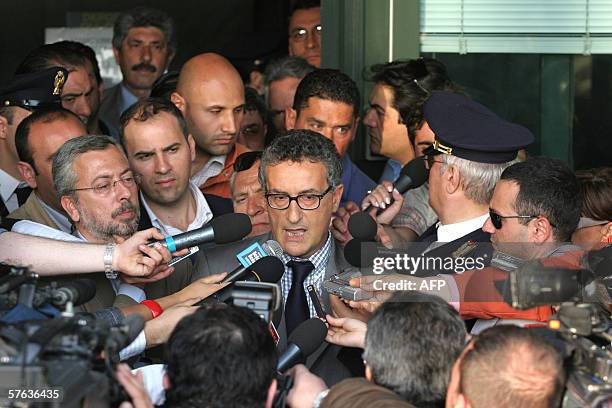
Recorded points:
(496,219)
(246,160)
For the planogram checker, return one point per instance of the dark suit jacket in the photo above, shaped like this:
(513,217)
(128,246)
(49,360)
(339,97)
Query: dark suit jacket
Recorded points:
(110,109)
(482,248)
(324,361)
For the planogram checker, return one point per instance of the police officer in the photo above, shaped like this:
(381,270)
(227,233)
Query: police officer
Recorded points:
(23,94)
(471,148)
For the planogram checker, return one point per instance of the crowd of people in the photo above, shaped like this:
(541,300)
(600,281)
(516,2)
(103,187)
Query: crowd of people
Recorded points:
(89,177)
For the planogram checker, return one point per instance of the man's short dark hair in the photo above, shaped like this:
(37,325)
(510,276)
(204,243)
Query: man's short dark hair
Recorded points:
(412,341)
(299,145)
(510,366)
(253,102)
(412,82)
(304,5)
(146,109)
(67,54)
(220,356)
(145,17)
(328,84)
(548,188)
(22,134)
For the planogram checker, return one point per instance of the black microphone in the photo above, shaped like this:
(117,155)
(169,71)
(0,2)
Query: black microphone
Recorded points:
(221,230)
(267,269)
(304,340)
(124,334)
(244,273)
(361,253)
(414,174)
(362,226)
(78,291)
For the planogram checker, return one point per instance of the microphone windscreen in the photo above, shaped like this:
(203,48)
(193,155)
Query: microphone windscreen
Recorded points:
(273,248)
(309,335)
(362,226)
(412,175)
(360,253)
(231,227)
(85,289)
(269,268)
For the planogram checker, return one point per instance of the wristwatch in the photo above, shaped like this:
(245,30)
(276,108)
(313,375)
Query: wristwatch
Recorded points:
(319,398)
(108,261)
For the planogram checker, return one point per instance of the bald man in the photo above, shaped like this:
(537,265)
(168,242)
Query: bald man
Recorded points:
(210,94)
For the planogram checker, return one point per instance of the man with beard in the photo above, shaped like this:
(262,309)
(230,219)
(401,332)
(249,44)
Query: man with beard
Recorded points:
(210,94)
(160,151)
(98,191)
(144,44)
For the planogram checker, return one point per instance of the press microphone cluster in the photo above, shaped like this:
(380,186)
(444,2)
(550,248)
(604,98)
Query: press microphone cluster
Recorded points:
(220,230)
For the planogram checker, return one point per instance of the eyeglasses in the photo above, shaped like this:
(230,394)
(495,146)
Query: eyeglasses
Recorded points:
(246,160)
(102,188)
(496,219)
(300,34)
(430,160)
(308,201)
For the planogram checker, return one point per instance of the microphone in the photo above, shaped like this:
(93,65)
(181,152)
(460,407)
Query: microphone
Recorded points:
(362,226)
(304,340)
(124,334)
(78,291)
(414,174)
(268,269)
(361,253)
(221,230)
(251,254)
(244,273)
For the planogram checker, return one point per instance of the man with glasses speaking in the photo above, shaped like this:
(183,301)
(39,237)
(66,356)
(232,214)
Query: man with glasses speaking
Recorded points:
(300,174)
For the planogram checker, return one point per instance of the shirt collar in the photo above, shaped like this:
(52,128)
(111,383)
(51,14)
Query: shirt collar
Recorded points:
(450,232)
(203,213)
(8,185)
(60,219)
(127,97)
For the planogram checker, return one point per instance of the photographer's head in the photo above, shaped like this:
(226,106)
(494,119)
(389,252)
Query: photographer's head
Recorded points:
(411,343)
(300,173)
(535,205)
(221,356)
(507,366)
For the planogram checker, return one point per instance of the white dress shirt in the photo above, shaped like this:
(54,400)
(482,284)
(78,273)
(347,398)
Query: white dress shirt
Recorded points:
(213,167)
(8,185)
(203,213)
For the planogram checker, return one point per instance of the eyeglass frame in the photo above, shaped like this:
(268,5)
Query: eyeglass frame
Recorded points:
(429,161)
(112,185)
(316,29)
(296,199)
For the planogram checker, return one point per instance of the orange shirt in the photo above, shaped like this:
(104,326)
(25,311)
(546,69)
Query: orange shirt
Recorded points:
(220,184)
(481,300)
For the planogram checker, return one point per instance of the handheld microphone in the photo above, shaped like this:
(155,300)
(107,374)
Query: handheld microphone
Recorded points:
(252,254)
(304,340)
(242,273)
(221,230)
(78,292)
(362,226)
(268,269)
(414,174)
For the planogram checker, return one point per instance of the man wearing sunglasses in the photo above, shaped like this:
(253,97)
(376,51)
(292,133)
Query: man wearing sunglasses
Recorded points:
(23,94)
(300,173)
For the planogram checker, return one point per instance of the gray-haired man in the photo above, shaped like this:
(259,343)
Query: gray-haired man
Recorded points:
(300,173)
